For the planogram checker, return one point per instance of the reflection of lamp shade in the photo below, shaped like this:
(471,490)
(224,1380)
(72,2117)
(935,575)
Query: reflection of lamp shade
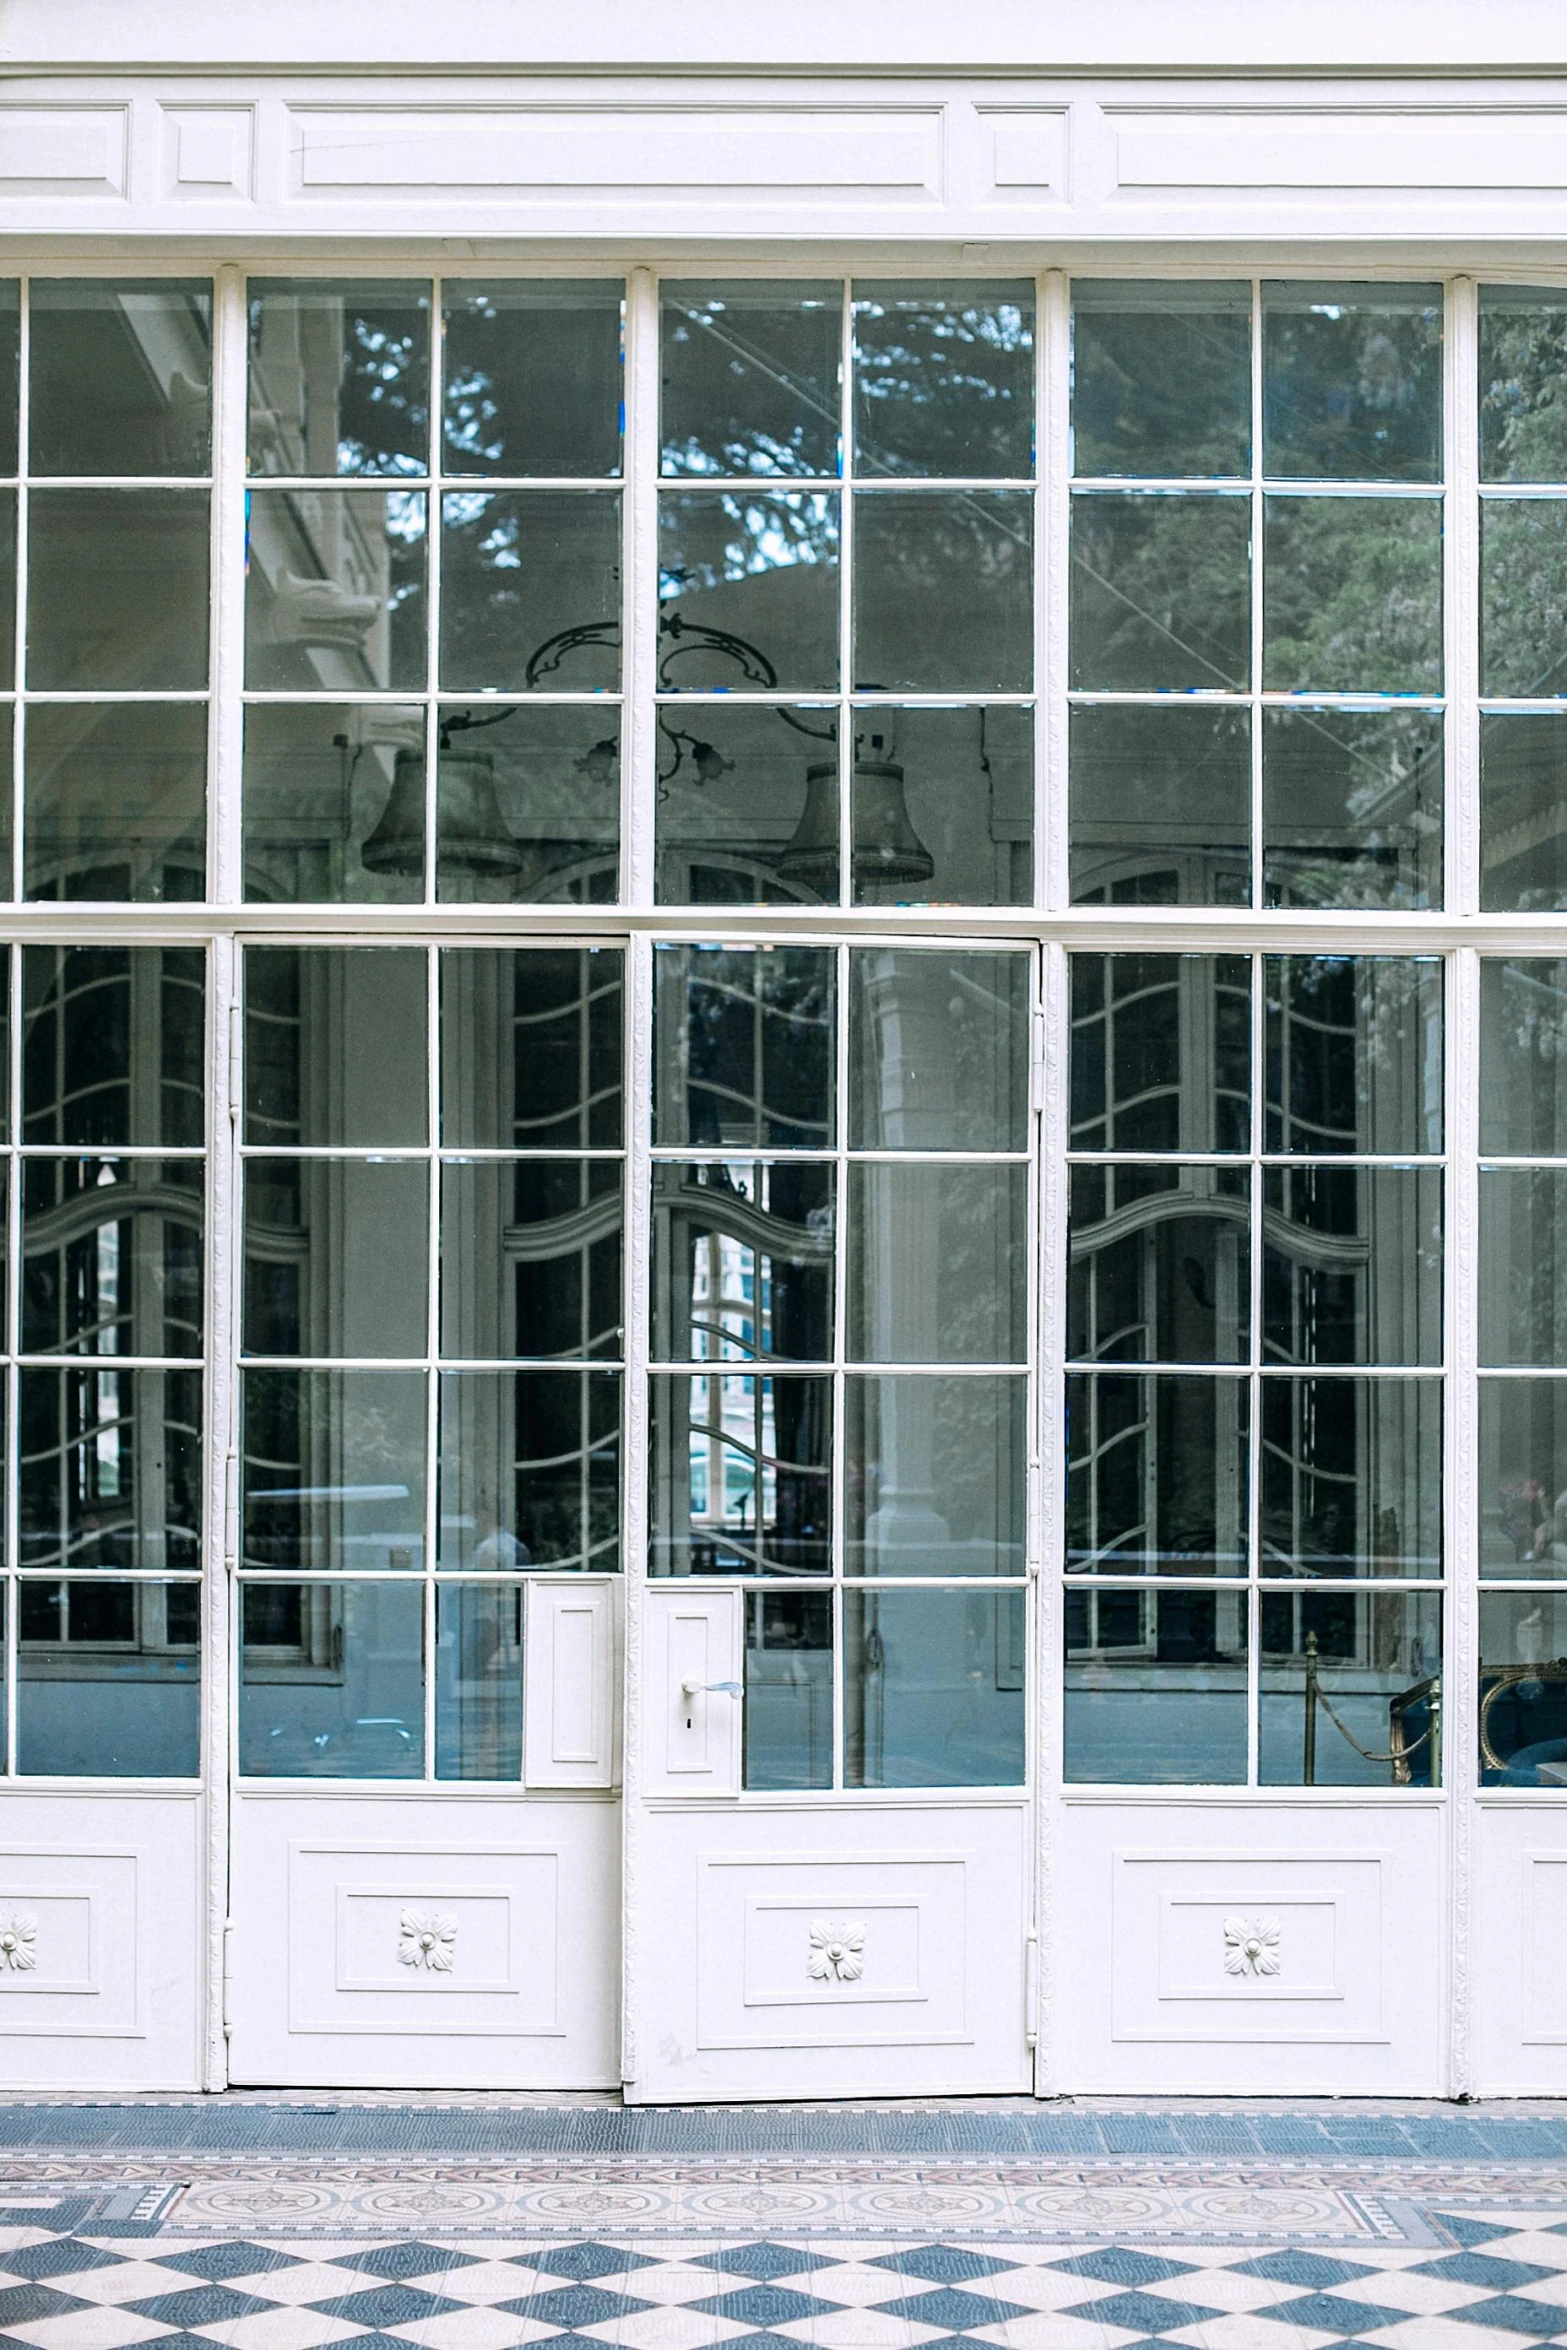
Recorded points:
(886,846)
(471,832)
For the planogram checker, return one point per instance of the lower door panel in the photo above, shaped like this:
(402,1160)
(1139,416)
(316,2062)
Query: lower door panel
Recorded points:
(100,1941)
(466,1942)
(1212,1948)
(792,1950)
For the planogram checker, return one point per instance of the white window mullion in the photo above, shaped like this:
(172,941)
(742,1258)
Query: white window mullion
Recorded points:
(1052,588)
(1461,599)
(226,675)
(639,597)
(221,1493)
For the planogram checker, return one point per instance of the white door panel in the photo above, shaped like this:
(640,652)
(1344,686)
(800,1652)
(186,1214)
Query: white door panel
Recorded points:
(803,1951)
(99,1941)
(570,1685)
(1520,1934)
(1232,1948)
(692,1703)
(448,1942)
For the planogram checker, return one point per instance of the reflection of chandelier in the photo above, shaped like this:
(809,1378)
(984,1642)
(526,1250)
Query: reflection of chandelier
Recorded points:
(472,836)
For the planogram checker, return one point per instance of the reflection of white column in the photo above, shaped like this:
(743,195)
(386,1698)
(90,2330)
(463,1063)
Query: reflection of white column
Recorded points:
(908,1083)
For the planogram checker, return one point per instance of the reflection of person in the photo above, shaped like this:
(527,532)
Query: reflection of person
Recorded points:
(497,1549)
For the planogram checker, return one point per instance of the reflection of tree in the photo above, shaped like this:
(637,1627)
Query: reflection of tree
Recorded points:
(1352,390)
(1160,387)
(1524,597)
(383,395)
(1161,592)
(1523,393)
(1352,591)
(943,389)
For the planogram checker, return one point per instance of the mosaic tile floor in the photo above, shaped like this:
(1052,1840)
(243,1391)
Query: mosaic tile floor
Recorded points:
(284,2245)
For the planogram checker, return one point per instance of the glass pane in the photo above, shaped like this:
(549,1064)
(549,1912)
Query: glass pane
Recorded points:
(1353,1053)
(748,589)
(743,1047)
(531,812)
(1352,1264)
(533,377)
(750,375)
(1523,1689)
(788,1689)
(109,1680)
(331,1681)
(117,590)
(335,590)
(1523,1478)
(943,807)
(934,1476)
(1351,1477)
(1161,592)
(336,1256)
(747,805)
(938,1264)
(111,1256)
(1352,595)
(1159,1265)
(944,591)
(339,376)
(1523,1057)
(530,591)
(741,1474)
(1351,1689)
(335,1045)
(1156,1476)
(120,375)
(742,1261)
(1161,1052)
(10,344)
(1352,382)
(334,803)
(1156,1687)
(110,1468)
(933,1688)
(938,1050)
(531,1048)
(1351,808)
(1523,792)
(116,801)
(8,587)
(530,1257)
(944,378)
(1523,355)
(478,1681)
(113,1045)
(332,1469)
(1523,1265)
(1161,378)
(1160,806)
(1523,592)
(530,1470)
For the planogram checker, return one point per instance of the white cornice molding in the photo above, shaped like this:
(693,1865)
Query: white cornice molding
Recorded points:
(814,36)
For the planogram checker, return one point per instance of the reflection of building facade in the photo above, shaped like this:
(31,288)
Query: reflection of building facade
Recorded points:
(786,1160)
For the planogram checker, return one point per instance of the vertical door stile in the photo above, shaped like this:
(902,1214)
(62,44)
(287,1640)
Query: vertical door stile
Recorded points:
(1461,837)
(220,1546)
(639,776)
(1050,1134)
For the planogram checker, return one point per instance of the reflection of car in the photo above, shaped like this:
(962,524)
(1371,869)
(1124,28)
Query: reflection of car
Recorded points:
(375,1746)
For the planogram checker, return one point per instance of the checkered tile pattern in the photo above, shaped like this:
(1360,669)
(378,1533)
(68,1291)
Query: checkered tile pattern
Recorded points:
(1502,2276)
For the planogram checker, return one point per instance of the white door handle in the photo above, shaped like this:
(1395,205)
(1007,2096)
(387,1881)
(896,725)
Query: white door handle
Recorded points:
(712,1688)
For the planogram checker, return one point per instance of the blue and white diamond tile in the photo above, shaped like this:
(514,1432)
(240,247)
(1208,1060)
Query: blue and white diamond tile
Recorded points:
(1457,2280)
